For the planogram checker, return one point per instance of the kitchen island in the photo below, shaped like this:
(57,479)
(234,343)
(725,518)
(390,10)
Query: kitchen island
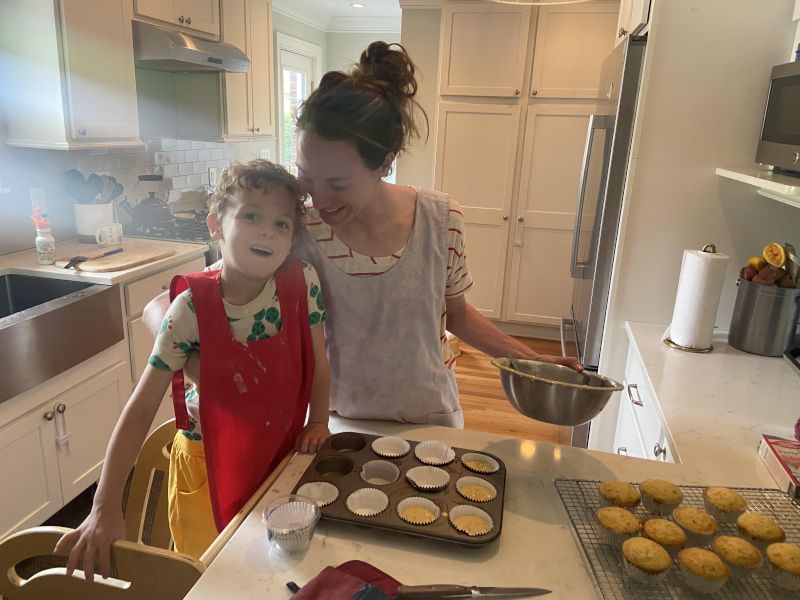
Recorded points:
(536,547)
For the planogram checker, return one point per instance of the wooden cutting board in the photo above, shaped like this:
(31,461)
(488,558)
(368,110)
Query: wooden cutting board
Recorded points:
(134,253)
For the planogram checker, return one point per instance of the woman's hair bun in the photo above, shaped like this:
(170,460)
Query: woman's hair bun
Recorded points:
(390,68)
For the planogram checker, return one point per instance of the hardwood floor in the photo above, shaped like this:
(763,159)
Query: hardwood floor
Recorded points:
(484,402)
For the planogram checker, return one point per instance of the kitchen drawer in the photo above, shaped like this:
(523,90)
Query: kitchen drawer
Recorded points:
(140,292)
(639,396)
(628,441)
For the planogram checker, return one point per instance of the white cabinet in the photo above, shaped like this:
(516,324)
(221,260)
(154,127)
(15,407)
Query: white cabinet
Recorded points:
(483,50)
(539,286)
(58,93)
(195,16)
(480,140)
(45,474)
(137,294)
(572,41)
(633,16)
(249,105)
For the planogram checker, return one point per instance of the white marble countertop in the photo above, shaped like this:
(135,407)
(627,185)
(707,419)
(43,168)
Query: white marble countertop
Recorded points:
(717,405)
(24,263)
(536,546)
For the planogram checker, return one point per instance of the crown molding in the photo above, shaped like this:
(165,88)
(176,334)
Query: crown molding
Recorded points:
(364,25)
(289,8)
(435,3)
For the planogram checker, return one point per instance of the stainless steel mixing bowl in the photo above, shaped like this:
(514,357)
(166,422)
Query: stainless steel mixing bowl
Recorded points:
(554,393)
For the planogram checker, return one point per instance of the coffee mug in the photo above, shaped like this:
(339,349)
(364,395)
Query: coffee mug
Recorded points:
(109,234)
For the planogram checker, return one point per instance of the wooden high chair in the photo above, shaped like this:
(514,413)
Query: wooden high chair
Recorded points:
(143,566)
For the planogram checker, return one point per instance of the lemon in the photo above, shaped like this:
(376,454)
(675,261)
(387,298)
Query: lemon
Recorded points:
(774,254)
(757,262)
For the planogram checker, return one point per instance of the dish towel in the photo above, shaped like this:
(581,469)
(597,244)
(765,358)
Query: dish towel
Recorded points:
(353,580)
(699,290)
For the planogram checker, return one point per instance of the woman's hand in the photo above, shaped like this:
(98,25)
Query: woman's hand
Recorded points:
(91,542)
(311,437)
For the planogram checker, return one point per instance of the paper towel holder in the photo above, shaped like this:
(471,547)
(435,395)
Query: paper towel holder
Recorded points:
(711,248)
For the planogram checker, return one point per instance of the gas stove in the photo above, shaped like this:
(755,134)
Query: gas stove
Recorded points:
(187,226)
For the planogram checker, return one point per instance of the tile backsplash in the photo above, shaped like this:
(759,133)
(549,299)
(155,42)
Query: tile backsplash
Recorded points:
(183,163)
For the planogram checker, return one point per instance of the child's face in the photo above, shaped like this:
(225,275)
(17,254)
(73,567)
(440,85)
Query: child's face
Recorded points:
(255,231)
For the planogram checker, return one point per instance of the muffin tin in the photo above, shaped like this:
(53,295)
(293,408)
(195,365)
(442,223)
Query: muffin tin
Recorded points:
(340,460)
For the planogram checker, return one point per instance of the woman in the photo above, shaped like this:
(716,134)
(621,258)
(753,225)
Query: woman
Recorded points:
(391,258)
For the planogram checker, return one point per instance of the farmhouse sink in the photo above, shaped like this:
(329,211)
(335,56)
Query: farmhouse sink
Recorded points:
(48,326)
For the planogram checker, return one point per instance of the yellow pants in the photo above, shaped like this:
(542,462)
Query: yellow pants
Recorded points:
(191,520)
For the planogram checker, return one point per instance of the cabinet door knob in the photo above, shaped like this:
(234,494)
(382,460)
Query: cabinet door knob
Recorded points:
(82,130)
(622,450)
(258,129)
(165,287)
(622,32)
(534,92)
(49,415)
(660,450)
(505,217)
(632,387)
(61,408)
(188,20)
(181,19)
(516,92)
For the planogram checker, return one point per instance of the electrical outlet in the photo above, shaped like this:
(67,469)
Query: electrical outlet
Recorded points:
(212,176)
(265,153)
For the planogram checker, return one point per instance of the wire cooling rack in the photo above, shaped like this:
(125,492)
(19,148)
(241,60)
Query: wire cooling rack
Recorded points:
(581,500)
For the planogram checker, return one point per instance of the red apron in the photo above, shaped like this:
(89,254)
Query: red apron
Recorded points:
(254,395)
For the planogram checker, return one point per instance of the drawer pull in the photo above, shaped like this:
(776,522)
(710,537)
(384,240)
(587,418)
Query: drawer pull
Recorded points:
(622,450)
(165,287)
(660,450)
(638,400)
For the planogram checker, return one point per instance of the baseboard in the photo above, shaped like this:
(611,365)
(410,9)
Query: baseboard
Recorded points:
(542,332)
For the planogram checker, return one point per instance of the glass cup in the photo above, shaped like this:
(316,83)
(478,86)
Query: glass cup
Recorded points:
(290,522)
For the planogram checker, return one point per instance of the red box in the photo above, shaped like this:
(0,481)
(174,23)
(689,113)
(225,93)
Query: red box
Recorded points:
(782,458)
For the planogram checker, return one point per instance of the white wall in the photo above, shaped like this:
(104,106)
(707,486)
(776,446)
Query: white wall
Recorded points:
(706,76)
(285,24)
(343,49)
(420,36)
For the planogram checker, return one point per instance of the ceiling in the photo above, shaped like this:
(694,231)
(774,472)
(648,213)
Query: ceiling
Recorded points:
(338,15)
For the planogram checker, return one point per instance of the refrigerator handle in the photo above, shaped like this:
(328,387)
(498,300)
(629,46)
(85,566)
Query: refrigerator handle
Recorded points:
(595,122)
(564,324)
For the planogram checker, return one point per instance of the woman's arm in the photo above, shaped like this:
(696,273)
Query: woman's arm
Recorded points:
(476,330)
(316,431)
(93,538)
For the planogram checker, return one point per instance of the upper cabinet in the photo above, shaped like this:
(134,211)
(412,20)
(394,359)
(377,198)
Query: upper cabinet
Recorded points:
(633,16)
(483,50)
(198,17)
(249,106)
(572,41)
(58,94)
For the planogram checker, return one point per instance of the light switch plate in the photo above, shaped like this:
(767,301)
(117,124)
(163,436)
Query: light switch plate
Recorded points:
(265,153)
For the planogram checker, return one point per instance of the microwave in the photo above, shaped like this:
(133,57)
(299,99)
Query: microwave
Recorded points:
(779,145)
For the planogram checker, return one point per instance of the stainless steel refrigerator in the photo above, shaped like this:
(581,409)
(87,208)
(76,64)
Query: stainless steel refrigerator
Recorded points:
(602,182)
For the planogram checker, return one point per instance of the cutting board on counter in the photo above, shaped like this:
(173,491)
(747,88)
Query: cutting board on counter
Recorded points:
(134,253)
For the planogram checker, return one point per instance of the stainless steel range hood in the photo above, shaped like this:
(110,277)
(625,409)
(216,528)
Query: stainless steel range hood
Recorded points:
(160,49)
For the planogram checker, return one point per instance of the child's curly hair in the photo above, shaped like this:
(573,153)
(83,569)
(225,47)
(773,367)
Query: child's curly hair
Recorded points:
(258,174)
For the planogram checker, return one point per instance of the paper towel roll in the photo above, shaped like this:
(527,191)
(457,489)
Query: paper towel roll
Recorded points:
(697,299)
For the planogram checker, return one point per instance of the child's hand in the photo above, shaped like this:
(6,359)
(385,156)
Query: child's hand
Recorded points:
(311,437)
(92,541)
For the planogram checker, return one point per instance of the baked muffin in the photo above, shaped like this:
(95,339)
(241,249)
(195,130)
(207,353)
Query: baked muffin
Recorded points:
(784,563)
(702,570)
(660,497)
(645,560)
(666,533)
(699,525)
(617,525)
(759,529)
(740,555)
(724,504)
(619,493)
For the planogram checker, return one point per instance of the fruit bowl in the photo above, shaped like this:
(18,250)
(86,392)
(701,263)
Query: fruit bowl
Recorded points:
(554,393)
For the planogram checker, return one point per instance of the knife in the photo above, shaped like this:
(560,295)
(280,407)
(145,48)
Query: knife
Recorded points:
(452,592)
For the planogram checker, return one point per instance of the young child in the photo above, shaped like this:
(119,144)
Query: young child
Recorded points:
(259,322)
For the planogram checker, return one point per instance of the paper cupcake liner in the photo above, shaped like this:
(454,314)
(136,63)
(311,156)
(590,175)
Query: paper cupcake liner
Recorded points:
(417,502)
(482,463)
(757,542)
(694,538)
(290,523)
(740,572)
(367,502)
(784,579)
(467,481)
(432,452)
(641,575)
(603,503)
(321,492)
(704,585)
(391,447)
(464,510)
(428,479)
(722,516)
(658,508)
(615,539)
(380,472)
